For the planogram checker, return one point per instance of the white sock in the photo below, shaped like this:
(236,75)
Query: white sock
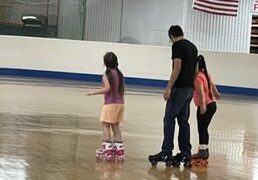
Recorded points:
(107,144)
(203,146)
(119,144)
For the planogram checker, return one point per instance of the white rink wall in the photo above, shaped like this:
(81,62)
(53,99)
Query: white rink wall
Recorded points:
(139,61)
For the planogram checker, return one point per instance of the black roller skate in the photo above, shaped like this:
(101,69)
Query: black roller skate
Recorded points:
(178,158)
(160,157)
(200,158)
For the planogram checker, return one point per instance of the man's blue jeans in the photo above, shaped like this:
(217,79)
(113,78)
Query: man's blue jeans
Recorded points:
(178,106)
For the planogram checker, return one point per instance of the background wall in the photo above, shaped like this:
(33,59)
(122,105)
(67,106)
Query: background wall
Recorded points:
(138,21)
(103,20)
(71,19)
(82,56)
(13,10)
(139,61)
(219,33)
(147,21)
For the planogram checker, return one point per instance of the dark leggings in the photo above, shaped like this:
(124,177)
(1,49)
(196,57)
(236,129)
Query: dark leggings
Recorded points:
(203,121)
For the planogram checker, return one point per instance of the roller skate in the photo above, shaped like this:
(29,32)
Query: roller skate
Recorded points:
(200,158)
(105,152)
(118,151)
(178,158)
(161,157)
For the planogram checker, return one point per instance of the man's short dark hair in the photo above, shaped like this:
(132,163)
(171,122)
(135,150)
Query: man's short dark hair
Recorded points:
(175,31)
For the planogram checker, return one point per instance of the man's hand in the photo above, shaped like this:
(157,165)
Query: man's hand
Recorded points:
(166,93)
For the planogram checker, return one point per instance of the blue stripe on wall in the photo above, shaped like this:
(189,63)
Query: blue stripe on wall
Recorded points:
(128,80)
(49,74)
(237,90)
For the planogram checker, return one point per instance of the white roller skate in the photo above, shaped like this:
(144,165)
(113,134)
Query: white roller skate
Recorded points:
(105,152)
(119,152)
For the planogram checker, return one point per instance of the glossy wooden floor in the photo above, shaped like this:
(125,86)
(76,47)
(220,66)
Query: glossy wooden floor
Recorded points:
(49,130)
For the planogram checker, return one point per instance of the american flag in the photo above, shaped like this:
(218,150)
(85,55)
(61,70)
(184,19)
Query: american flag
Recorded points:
(220,7)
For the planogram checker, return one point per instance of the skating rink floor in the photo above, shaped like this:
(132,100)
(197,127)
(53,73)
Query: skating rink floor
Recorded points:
(50,129)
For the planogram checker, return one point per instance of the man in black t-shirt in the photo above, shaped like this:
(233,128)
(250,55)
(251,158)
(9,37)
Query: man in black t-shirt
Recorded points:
(178,95)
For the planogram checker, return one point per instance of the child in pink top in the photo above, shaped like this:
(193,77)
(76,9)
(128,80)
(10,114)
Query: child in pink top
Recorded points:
(205,94)
(113,109)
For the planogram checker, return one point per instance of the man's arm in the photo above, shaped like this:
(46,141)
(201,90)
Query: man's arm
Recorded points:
(175,72)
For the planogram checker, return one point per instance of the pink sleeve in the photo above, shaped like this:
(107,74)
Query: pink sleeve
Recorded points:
(198,81)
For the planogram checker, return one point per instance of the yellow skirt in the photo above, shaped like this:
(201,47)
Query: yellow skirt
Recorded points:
(112,113)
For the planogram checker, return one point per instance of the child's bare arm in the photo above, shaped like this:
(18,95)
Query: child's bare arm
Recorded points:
(200,90)
(103,90)
(214,89)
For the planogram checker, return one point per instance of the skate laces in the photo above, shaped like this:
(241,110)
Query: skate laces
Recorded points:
(106,146)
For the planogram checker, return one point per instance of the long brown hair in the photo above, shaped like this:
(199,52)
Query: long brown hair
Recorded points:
(110,61)
(203,68)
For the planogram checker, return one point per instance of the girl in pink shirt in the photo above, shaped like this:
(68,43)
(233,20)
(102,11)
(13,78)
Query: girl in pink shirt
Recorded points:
(205,94)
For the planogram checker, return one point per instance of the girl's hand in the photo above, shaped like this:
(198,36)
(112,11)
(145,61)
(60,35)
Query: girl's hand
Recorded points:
(90,93)
(203,109)
(217,95)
